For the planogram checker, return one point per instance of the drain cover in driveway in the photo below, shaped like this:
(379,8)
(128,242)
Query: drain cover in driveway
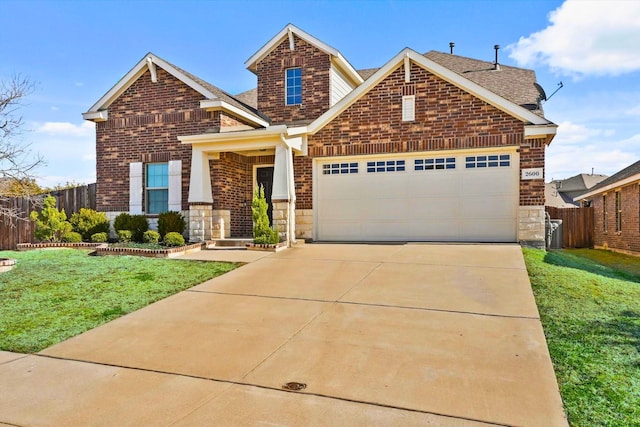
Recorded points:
(293,386)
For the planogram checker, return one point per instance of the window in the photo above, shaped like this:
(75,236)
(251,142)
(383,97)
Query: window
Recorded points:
(385,166)
(604,213)
(157,187)
(618,211)
(434,164)
(339,168)
(493,161)
(293,86)
(408,108)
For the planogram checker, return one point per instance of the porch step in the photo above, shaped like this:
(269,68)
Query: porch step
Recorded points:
(227,244)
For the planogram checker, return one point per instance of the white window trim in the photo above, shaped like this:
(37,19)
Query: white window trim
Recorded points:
(408,108)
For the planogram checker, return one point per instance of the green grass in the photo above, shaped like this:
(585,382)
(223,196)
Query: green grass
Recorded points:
(52,295)
(589,302)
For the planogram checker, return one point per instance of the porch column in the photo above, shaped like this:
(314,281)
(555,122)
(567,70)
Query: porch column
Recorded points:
(283,194)
(200,197)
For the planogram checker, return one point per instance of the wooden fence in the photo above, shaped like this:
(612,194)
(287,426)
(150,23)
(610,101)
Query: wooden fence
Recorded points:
(577,226)
(19,229)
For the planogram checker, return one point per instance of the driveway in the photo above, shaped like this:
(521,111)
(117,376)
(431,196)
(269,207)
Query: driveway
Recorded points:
(417,334)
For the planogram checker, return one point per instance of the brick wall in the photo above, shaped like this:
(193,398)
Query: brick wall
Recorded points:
(532,156)
(315,66)
(628,239)
(143,126)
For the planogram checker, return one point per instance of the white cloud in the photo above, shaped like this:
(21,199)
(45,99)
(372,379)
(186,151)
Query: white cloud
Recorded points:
(54,108)
(635,111)
(585,38)
(579,149)
(79,84)
(65,129)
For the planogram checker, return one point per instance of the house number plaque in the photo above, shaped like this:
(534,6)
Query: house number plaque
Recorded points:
(533,173)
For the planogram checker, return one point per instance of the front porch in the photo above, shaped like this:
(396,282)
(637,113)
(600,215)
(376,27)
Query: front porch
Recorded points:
(227,167)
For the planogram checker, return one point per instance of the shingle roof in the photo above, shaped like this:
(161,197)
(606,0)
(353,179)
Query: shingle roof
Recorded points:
(249,97)
(224,96)
(367,72)
(511,83)
(627,172)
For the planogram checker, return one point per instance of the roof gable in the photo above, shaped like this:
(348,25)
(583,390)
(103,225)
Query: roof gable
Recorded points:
(543,126)
(211,93)
(288,32)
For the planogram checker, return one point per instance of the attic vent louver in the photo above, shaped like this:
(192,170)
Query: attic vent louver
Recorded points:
(496,64)
(451,46)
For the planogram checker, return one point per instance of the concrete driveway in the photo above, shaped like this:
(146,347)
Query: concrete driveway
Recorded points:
(418,334)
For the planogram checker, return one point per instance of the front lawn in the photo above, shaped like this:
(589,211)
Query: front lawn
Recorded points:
(589,302)
(51,295)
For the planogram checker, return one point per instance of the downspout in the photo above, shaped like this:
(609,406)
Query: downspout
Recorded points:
(291,232)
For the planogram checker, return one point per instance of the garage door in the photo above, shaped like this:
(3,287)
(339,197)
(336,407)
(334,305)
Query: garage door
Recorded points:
(471,197)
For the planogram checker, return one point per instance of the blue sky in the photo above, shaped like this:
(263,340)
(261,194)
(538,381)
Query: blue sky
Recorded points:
(75,51)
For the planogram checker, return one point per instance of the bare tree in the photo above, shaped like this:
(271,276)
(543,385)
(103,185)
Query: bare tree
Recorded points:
(17,163)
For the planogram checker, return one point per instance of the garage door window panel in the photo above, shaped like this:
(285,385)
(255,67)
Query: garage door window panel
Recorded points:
(386,166)
(439,163)
(339,168)
(491,161)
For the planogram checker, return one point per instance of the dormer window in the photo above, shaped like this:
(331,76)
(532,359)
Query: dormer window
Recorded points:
(293,86)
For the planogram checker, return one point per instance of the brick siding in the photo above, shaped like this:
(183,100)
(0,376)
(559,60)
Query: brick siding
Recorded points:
(143,126)
(628,239)
(315,66)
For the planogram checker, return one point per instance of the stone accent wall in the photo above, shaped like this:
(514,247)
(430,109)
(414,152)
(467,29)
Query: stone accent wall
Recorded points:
(304,223)
(316,93)
(221,224)
(199,223)
(280,217)
(628,238)
(531,226)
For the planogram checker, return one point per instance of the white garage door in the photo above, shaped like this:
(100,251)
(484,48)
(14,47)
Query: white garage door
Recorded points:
(470,197)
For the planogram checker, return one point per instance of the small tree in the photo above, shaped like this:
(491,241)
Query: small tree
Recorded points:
(262,233)
(88,222)
(51,224)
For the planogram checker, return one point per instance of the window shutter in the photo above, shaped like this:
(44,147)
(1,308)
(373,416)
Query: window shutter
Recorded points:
(408,108)
(175,185)
(136,188)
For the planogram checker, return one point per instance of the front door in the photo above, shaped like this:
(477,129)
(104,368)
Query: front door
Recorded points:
(264,177)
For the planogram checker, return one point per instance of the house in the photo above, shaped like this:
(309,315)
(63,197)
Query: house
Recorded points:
(616,204)
(560,193)
(428,147)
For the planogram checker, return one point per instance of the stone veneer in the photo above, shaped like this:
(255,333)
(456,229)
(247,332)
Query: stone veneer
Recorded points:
(531,226)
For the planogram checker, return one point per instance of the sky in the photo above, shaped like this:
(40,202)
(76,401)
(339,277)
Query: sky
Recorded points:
(75,51)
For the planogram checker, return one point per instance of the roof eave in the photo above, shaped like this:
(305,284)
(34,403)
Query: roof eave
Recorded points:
(617,184)
(218,104)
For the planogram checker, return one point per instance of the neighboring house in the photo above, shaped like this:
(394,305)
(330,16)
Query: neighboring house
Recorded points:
(560,193)
(432,147)
(616,203)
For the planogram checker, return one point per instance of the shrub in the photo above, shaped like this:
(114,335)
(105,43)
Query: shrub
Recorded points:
(151,236)
(171,221)
(122,222)
(51,224)
(262,233)
(173,239)
(139,224)
(99,237)
(136,224)
(71,237)
(124,236)
(88,222)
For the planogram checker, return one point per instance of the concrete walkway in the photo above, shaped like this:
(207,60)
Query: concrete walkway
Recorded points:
(409,335)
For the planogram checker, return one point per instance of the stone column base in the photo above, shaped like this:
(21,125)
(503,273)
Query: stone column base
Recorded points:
(200,217)
(531,222)
(304,224)
(280,217)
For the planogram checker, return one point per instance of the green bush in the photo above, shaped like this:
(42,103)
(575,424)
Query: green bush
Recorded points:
(262,233)
(71,237)
(88,222)
(51,224)
(136,224)
(99,237)
(173,239)
(151,236)
(171,221)
(124,236)
(122,222)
